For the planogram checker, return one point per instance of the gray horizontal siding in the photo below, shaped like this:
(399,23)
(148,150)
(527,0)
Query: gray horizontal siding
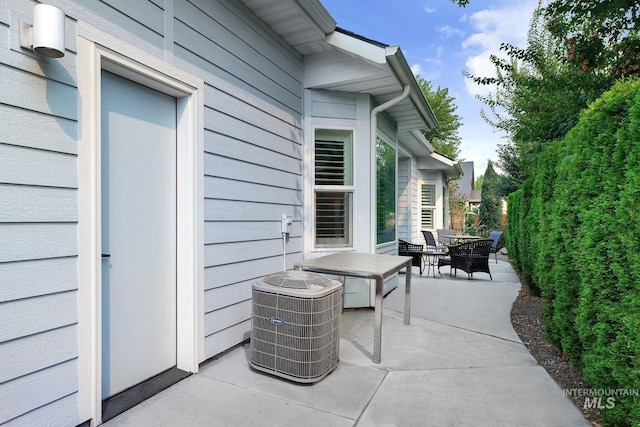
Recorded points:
(45,132)
(237,231)
(22,356)
(61,412)
(38,228)
(29,166)
(19,280)
(222,275)
(249,152)
(226,210)
(404,214)
(37,93)
(333,105)
(40,388)
(249,171)
(223,340)
(140,23)
(31,316)
(231,253)
(21,203)
(253,154)
(253,174)
(145,13)
(22,242)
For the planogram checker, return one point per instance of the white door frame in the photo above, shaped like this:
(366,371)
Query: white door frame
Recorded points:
(98,51)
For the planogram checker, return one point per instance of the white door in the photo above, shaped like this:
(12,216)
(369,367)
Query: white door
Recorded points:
(138,233)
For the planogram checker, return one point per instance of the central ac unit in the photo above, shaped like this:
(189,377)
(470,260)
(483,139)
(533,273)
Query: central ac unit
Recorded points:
(295,332)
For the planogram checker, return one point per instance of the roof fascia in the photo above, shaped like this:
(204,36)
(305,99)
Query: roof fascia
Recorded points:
(393,56)
(403,72)
(452,165)
(417,134)
(318,14)
(357,47)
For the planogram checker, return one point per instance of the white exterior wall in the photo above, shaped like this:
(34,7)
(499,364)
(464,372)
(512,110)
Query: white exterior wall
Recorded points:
(409,228)
(252,175)
(404,217)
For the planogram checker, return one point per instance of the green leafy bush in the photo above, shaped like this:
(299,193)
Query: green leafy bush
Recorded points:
(575,233)
(512,232)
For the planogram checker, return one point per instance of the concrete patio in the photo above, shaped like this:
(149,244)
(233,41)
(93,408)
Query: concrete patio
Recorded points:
(459,363)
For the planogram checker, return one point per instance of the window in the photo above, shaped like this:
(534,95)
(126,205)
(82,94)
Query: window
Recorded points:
(427,206)
(385,192)
(333,188)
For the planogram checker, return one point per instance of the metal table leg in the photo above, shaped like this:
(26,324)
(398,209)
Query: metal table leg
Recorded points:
(407,294)
(377,323)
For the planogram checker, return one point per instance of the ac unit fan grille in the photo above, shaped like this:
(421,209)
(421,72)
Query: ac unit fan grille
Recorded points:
(304,344)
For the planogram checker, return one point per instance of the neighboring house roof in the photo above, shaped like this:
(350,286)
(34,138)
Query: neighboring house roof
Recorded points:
(339,60)
(466,182)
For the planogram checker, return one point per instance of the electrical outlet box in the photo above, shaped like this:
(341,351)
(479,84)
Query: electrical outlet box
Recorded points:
(286,224)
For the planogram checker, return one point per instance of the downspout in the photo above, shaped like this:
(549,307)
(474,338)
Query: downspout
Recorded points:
(373,135)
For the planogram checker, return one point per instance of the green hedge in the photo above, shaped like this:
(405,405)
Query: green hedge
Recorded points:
(512,231)
(574,232)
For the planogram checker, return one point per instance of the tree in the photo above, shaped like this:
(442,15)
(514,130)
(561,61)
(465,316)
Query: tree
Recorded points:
(444,138)
(457,205)
(600,35)
(539,98)
(509,161)
(490,202)
(478,184)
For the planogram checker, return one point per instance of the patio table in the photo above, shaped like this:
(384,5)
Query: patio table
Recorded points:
(461,237)
(368,266)
(431,259)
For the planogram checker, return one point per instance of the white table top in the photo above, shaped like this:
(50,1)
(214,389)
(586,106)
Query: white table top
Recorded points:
(462,236)
(349,263)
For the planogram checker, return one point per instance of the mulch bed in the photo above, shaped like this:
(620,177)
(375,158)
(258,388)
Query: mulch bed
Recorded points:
(526,318)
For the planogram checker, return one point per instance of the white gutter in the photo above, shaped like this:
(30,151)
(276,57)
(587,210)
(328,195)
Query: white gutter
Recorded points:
(374,137)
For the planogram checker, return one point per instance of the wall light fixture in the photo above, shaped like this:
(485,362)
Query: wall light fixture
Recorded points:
(46,36)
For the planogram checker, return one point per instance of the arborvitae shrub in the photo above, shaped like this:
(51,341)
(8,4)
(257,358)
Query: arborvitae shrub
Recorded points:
(580,218)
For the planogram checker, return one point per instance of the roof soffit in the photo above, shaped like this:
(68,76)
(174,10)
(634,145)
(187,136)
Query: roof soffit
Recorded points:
(343,61)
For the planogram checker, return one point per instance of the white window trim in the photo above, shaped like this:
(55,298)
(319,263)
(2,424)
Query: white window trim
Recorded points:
(97,51)
(434,207)
(342,188)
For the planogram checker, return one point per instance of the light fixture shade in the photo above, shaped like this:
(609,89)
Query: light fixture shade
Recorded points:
(48,31)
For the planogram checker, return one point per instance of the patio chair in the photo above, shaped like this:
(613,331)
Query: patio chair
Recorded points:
(498,242)
(443,262)
(444,232)
(414,251)
(432,245)
(471,257)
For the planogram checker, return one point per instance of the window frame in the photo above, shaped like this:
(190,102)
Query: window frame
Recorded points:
(346,189)
(394,148)
(424,206)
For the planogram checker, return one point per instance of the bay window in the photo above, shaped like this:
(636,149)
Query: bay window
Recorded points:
(385,192)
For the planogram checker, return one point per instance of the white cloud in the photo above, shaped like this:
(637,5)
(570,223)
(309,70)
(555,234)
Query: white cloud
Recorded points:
(429,9)
(416,69)
(449,31)
(491,27)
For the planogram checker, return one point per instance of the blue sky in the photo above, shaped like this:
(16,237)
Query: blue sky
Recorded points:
(440,40)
